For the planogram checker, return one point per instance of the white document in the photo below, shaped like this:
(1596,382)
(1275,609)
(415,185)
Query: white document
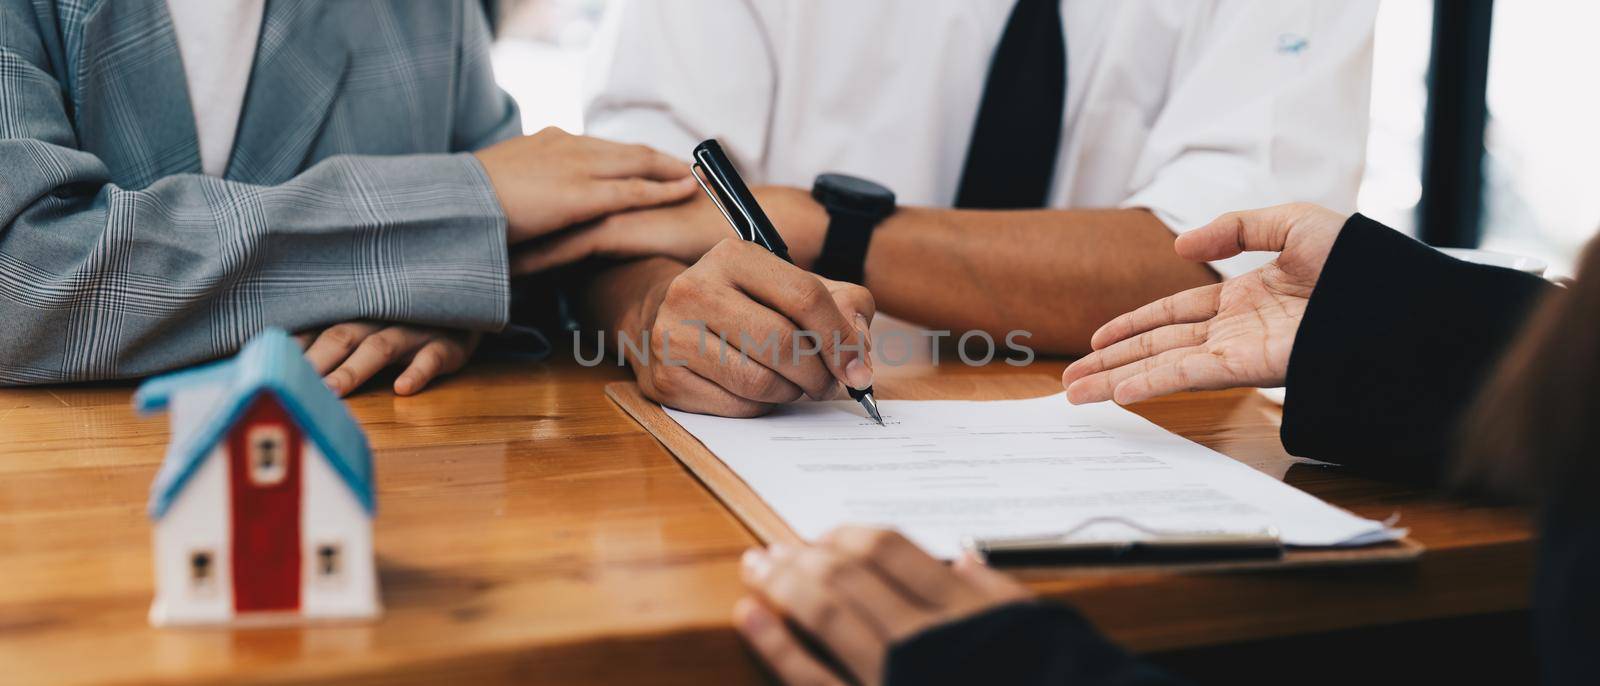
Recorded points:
(945,470)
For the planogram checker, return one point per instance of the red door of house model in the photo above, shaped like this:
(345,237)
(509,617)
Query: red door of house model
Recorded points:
(264,471)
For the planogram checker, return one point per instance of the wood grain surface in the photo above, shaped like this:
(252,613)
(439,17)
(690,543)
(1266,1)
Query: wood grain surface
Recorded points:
(528,530)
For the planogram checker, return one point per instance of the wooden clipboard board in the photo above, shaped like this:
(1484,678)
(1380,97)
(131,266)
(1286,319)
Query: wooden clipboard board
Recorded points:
(765,523)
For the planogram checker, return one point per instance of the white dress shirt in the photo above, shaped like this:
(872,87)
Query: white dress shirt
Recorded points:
(217,41)
(1189,108)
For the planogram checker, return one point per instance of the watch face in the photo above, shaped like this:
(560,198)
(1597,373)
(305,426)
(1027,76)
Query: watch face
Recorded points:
(853,193)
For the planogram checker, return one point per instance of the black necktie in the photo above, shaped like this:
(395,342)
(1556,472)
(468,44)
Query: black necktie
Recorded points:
(1012,155)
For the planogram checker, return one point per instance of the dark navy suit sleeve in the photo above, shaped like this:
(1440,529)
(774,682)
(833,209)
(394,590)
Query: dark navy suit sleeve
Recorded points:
(1018,644)
(1395,341)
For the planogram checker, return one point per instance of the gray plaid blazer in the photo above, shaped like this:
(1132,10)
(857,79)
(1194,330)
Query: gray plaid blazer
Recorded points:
(348,196)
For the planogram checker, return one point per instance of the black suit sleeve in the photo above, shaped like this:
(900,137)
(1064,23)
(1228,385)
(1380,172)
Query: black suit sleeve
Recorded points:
(1395,341)
(1019,644)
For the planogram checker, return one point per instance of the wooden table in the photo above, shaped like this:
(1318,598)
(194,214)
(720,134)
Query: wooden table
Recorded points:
(529,531)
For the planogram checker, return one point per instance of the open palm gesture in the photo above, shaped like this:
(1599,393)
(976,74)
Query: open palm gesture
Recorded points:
(1235,333)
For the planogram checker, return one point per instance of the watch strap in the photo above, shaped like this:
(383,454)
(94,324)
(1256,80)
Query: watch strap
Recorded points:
(844,249)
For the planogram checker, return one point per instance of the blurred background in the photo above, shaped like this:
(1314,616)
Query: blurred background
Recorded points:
(1523,178)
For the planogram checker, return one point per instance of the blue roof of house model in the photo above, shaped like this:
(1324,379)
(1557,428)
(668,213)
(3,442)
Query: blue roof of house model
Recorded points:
(271,362)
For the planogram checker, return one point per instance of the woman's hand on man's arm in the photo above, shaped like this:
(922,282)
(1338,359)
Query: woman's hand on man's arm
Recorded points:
(552,180)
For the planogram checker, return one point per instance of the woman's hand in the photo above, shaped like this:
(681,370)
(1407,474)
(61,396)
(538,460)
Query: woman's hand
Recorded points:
(1235,333)
(856,593)
(347,355)
(684,231)
(552,179)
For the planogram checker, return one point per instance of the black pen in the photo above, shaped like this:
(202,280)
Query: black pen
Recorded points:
(738,205)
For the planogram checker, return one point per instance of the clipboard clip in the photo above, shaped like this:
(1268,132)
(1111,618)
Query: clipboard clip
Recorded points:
(1158,546)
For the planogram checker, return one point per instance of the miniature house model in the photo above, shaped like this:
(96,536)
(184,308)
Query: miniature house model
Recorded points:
(263,507)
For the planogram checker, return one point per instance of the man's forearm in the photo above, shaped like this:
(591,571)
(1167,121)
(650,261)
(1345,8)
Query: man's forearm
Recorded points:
(616,296)
(1059,274)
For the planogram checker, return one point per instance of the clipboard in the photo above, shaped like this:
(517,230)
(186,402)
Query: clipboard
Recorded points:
(764,522)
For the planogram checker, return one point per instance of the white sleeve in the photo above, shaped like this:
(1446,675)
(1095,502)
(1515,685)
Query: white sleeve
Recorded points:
(1268,104)
(671,74)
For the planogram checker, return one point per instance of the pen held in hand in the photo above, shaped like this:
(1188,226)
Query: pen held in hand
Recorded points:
(721,181)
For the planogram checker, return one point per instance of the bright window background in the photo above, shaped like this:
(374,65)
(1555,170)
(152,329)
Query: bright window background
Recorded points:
(540,55)
(1542,173)
(1392,184)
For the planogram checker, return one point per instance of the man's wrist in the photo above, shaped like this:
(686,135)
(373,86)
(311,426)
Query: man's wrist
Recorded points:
(617,298)
(801,220)
(655,275)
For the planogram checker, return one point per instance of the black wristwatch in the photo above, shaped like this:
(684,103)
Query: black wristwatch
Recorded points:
(855,207)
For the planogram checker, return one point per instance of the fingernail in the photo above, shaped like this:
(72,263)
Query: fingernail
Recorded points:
(403,385)
(332,384)
(864,332)
(858,374)
(753,618)
(755,565)
(970,559)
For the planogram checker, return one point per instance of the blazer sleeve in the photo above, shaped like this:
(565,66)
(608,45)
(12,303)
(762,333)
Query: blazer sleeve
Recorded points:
(1396,339)
(486,114)
(1024,644)
(99,281)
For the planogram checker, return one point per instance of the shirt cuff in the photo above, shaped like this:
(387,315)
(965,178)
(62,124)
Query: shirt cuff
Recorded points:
(1183,204)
